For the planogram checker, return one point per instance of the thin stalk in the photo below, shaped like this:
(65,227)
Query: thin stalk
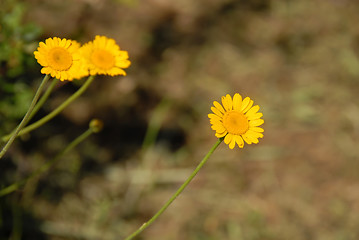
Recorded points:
(179,191)
(43,99)
(55,112)
(24,120)
(39,104)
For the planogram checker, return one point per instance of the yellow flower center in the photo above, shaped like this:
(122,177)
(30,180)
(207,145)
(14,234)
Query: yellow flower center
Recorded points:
(235,122)
(103,59)
(59,59)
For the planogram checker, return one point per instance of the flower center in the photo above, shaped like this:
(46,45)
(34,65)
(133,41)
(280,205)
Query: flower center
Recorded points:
(103,59)
(59,59)
(235,122)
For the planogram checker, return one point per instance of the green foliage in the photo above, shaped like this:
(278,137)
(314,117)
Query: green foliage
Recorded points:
(17,43)
(17,39)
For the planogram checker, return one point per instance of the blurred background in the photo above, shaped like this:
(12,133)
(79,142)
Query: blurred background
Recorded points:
(298,60)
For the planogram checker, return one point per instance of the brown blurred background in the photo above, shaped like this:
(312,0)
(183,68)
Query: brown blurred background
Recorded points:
(298,60)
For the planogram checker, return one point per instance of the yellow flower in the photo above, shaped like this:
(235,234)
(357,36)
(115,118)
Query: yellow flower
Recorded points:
(104,56)
(236,121)
(61,59)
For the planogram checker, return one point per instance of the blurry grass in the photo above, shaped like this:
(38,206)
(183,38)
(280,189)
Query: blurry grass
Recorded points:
(299,61)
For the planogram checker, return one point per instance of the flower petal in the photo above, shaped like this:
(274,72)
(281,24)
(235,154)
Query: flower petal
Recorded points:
(239,141)
(252,111)
(215,122)
(218,106)
(230,102)
(245,103)
(246,139)
(216,111)
(237,102)
(256,129)
(227,102)
(248,107)
(251,137)
(220,135)
(253,134)
(256,123)
(105,48)
(255,116)
(218,128)
(214,117)
(232,144)
(228,138)
(245,107)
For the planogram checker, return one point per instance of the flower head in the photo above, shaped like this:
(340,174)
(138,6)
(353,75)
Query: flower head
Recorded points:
(61,59)
(104,56)
(237,121)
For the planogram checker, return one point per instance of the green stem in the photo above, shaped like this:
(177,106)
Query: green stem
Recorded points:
(24,120)
(57,110)
(13,187)
(179,191)
(37,106)
(43,99)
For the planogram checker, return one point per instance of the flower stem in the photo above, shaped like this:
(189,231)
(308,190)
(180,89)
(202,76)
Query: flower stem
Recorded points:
(177,193)
(13,135)
(55,112)
(43,99)
(37,106)
(13,187)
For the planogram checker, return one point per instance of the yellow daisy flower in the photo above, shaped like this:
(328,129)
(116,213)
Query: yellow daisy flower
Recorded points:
(61,59)
(236,121)
(104,56)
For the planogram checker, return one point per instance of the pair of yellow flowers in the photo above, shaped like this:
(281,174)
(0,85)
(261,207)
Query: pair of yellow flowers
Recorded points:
(236,120)
(67,60)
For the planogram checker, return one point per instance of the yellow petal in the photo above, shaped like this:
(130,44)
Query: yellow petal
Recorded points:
(248,107)
(230,102)
(227,102)
(224,102)
(246,139)
(255,116)
(218,128)
(43,45)
(46,70)
(214,117)
(228,138)
(256,123)
(256,129)
(57,75)
(123,64)
(122,55)
(232,144)
(220,135)
(253,110)
(62,42)
(215,122)
(237,102)
(245,103)
(218,106)
(253,134)
(216,111)
(119,71)
(254,140)
(49,42)
(239,141)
